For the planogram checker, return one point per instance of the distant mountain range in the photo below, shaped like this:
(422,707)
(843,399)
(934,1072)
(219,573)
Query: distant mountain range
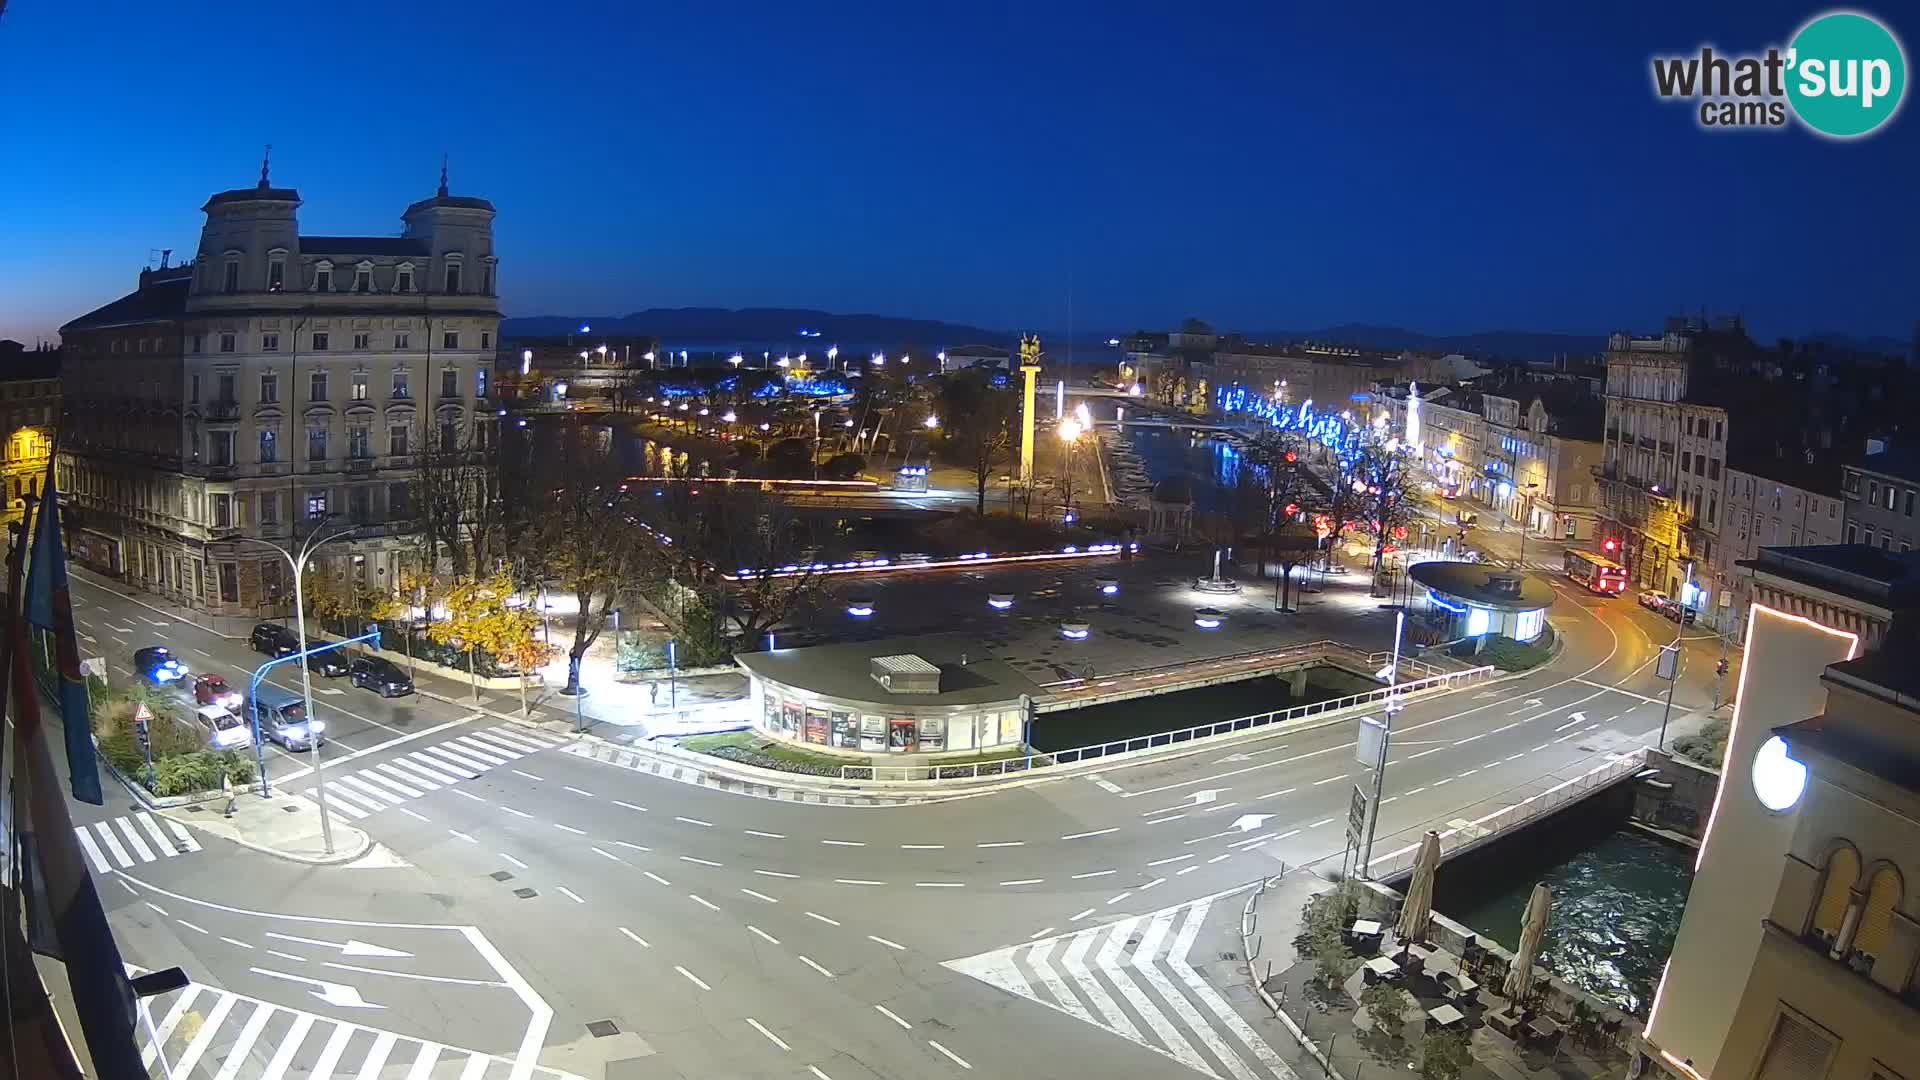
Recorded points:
(718,327)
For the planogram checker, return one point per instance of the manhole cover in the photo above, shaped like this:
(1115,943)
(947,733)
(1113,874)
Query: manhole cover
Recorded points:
(526,894)
(291,809)
(501,875)
(1229,956)
(600,1029)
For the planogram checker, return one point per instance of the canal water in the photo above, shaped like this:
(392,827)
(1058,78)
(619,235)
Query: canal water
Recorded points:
(1618,894)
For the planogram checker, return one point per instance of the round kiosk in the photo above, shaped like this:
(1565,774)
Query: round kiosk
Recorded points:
(1470,599)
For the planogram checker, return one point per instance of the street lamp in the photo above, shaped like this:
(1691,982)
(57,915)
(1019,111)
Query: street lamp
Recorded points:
(736,360)
(833,353)
(299,565)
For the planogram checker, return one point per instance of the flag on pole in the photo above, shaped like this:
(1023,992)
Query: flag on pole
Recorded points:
(50,608)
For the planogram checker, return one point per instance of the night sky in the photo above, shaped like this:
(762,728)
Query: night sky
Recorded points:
(1268,165)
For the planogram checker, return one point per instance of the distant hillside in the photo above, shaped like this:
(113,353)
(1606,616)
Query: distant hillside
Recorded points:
(1505,344)
(759,325)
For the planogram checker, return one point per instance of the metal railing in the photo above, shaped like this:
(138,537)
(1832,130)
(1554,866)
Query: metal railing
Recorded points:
(1159,740)
(1307,650)
(1540,804)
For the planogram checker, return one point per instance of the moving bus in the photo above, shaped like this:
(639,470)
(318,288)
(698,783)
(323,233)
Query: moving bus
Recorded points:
(1597,572)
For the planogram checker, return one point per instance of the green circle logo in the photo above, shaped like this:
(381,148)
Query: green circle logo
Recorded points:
(1846,74)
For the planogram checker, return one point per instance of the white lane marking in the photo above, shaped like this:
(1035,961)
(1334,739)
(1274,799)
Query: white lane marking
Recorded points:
(856,881)
(765,835)
(939,884)
(516,862)
(1003,843)
(762,934)
(1043,932)
(1322,821)
(1174,859)
(1289,832)
(1330,780)
(691,977)
(569,828)
(191,926)
(822,918)
(236,942)
(844,843)
(893,1016)
(605,854)
(771,1037)
(1117,899)
(889,944)
(458,835)
(570,894)
(1277,794)
(577,791)
(1093,874)
(1424,753)
(286,956)
(1498,730)
(1468,739)
(467,794)
(760,896)
(1416,791)
(816,967)
(1515,757)
(633,847)
(1095,832)
(1383,802)
(699,862)
(629,806)
(411,814)
(955,1058)
(1448,780)
(656,878)
(695,821)
(703,902)
(157,908)
(635,938)
(817,1074)
(1543,746)
(1025,881)
(775,873)
(516,811)
(1164,820)
(1151,884)
(1217,858)
(922,847)
(1082,915)
(528,775)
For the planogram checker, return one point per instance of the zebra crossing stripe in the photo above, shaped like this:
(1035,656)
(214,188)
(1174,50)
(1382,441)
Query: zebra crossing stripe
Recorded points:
(1214,1002)
(467,763)
(382,783)
(242,1048)
(423,1062)
(184,837)
(133,838)
(374,795)
(377,1057)
(429,764)
(411,768)
(289,1046)
(400,775)
(113,843)
(93,850)
(488,738)
(530,746)
(1170,1035)
(168,1023)
(1037,959)
(330,1053)
(488,754)
(203,1039)
(1076,962)
(341,806)
(160,842)
(475,1066)
(1143,960)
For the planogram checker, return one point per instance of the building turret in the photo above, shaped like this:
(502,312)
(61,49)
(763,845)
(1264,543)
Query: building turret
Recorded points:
(458,232)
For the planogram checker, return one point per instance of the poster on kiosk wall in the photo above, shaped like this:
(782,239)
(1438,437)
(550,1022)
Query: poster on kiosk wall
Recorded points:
(873,733)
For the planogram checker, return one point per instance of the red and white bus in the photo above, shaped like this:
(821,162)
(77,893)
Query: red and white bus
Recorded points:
(1597,572)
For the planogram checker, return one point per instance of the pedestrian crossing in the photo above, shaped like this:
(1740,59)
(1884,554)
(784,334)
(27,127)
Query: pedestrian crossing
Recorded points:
(1133,979)
(131,839)
(405,777)
(209,1034)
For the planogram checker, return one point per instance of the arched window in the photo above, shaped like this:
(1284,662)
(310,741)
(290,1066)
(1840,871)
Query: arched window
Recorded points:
(403,278)
(1883,894)
(1843,869)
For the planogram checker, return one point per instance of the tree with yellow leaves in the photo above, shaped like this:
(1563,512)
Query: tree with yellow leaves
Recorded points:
(481,615)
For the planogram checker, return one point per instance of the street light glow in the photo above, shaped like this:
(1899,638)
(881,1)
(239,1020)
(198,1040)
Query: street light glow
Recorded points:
(932,422)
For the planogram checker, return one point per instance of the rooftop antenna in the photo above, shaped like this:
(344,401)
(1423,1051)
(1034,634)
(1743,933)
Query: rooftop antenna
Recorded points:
(443,176)
(265,160)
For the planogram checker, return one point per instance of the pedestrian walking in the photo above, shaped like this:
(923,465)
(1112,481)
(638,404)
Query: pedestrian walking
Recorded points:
(653,693)
(226,790)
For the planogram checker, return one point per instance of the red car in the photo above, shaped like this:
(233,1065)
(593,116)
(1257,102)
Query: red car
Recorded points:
(213,690)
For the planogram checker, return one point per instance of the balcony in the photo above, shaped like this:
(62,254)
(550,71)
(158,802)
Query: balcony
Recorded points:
(221,410)
(360,465)
(223,532)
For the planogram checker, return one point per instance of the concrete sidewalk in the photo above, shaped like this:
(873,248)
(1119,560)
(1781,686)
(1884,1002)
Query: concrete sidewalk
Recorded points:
(287,826)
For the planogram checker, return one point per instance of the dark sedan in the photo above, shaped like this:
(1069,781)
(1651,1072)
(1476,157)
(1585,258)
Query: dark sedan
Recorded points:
(274,640)
(380,675)
(332,663)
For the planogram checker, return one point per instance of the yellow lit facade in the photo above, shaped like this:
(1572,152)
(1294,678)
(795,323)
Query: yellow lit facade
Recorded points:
(29,409)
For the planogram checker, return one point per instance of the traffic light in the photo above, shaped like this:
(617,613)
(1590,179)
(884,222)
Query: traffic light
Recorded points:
(1611,545)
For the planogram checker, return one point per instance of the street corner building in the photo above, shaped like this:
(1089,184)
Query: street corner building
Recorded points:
(274,381)
(922,695)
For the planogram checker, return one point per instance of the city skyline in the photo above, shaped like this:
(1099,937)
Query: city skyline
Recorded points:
(1043,170)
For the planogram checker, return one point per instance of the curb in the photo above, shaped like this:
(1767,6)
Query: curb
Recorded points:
(1247,918)
(347,855)
(170,807)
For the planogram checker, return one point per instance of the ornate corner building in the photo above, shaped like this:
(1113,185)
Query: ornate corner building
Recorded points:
(30,410)
(274,382)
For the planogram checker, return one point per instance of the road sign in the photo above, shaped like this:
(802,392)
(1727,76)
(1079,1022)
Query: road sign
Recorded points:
(1357,817)
(1370,749)
(95,666)
(1668,665)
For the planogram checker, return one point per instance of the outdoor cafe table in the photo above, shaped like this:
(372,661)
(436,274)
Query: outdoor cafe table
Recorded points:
(1543,1028)
(1381,968)
(1366,928)
(1457,984)
(1445,1015)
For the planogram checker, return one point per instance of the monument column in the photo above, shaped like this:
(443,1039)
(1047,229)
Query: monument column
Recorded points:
(1029,373)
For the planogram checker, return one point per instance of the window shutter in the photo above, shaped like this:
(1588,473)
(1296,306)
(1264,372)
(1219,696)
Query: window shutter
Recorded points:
(1876,919)
(1797,1051)
(1843,867)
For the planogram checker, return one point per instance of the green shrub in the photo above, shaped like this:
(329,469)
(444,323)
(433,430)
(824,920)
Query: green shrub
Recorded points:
(1333,962)
(1387,1004)
(1444,1056)
(1706,747)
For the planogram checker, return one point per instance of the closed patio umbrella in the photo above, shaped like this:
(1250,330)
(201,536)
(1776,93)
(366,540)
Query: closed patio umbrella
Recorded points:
(1532,928)
(1416,915)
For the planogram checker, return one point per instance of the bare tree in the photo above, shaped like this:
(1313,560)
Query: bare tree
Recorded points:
(456,496)
(978,418)
(755,558)
(1384,468)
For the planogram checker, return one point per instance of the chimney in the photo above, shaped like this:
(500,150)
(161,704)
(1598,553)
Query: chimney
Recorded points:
(165,254)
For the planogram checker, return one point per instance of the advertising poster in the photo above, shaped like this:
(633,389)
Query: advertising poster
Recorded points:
(933,733)
(846,734)
(900,734)
(790,718)
(873,733)
(817,726)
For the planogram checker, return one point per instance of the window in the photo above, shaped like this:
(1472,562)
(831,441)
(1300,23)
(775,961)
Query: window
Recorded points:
(220,448)
(450,339)
(269,447)
(231,284)
(316,505)
(403,278)
(276,273)
(1873,491)
(323,277)
(1686,461)
(486,339)
(1910,495)
(363,278)
(1850,482)
(229,583)
(453,277)
(486,278)
(225,387)
(269,388)
(480,382)
(1719,430)
(360,503)
(226,342)
(1888,503)
(222,511)
(363,342)
(358,388)
(193,387)
(483,434)
(199,343)
(1713,509)
(1853,533)
(1713,468)
(269,342)
(401,390)
(319,341)
(397,440)
(317,386)
(1796,1051)
(317,444)
(400,341)
(359,446)
(399,501)
(269,508)
(449,437)
(450,383)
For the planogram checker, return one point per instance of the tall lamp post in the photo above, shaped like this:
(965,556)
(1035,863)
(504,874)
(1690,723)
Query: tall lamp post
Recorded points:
(299,565)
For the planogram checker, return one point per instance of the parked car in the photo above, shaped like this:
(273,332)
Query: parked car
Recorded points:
(1655,600)
(283,718)
(158,666)
(332,663)
(221,729)
(274,640)
(213,690)
(380,675)
(1681,613)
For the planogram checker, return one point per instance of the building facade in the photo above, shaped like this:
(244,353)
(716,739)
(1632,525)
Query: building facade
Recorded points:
(275,383)
(1664,461)
(1772,503)
(1881,493)
(30,413)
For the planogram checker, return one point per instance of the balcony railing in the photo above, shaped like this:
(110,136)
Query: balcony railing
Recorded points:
(222,410)
(360,465)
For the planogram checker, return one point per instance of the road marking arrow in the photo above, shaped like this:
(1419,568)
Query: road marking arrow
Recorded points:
(1248,822)
(1234,757)
(1576,717)
(1201,798)
(1533,701)
(332,993)
(350,947)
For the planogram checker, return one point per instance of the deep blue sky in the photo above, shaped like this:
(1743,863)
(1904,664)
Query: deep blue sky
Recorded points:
(1262,165)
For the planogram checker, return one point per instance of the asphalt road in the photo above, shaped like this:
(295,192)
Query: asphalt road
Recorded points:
(520,892)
